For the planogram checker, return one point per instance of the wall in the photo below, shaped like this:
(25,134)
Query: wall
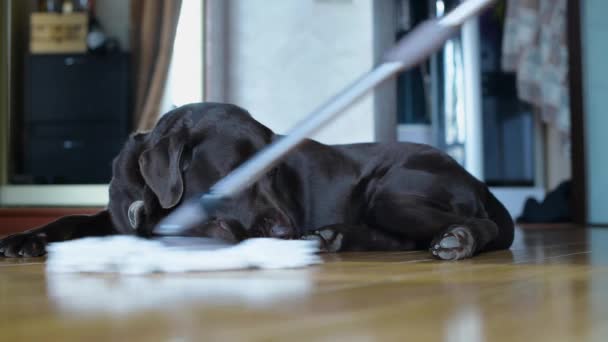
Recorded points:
(114,16)
(285,58)
(559,164)
(595,85)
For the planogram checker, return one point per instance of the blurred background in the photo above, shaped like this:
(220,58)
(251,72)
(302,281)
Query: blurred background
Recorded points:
(517,97)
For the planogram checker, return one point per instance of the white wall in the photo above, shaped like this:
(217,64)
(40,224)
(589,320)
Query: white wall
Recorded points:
(559,163)
(287,57)
(595,85)
(114,16)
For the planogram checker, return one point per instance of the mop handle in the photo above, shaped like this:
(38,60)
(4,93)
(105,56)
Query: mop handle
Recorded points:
(426,39)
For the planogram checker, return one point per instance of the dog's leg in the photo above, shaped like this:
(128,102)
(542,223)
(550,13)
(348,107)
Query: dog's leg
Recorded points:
(449,234)
(342,238)
(461,241)
(32,243)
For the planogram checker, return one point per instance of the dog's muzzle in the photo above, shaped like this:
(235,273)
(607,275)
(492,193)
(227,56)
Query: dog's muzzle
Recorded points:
(135,213)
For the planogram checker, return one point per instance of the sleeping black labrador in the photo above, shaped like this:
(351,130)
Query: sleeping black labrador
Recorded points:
(394,196)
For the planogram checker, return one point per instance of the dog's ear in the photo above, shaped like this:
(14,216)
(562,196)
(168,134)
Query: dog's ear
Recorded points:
(161,167)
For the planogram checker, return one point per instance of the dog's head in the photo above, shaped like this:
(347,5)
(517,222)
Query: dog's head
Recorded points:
(190,149)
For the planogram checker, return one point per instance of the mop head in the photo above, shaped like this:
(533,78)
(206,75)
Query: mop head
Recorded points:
(133,255)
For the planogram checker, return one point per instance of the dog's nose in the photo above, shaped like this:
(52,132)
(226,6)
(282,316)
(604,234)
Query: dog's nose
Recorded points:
(281,232)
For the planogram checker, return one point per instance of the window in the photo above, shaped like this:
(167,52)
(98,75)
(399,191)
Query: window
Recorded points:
(185,79)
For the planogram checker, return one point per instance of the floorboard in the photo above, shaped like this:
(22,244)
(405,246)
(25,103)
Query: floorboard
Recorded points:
(551,286)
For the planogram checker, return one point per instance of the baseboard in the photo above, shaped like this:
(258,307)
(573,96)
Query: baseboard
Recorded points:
(54,195)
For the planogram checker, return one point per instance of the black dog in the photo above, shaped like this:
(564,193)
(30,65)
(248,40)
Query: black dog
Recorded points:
(393,196)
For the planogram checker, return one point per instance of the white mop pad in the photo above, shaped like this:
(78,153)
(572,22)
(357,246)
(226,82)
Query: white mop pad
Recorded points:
(133,255)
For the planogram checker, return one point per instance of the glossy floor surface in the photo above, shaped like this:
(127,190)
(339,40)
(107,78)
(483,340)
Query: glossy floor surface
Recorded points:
(551,286)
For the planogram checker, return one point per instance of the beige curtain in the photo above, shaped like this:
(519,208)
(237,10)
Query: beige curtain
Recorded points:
(154,23)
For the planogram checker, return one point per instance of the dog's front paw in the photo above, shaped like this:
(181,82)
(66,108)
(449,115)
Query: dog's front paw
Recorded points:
(329,239)
(456,243)
(28,244)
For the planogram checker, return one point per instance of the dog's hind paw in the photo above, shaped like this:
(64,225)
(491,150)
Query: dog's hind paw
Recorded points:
(329,239)
(456,243)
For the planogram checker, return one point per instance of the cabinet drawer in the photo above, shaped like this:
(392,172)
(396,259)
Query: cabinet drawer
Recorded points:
(73,153)
(77,87)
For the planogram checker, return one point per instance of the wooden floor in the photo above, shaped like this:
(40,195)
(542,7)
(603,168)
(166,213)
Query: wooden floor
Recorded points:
(551,286)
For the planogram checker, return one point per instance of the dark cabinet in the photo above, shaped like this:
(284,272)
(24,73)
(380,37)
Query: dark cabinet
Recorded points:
(76,117)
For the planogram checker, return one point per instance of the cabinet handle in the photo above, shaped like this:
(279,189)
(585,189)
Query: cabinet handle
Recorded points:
(72,144)
(69,61)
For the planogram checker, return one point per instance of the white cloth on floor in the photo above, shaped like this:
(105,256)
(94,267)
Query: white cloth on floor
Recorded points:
(133,255)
